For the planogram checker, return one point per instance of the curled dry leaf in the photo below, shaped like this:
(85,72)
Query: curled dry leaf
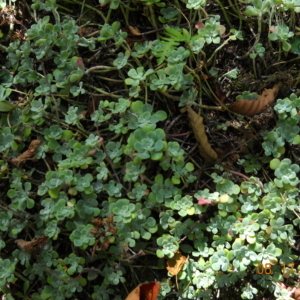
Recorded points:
(93,105)
(196,122)
(27,154)
(84,114)
(219,93)
(175,264)
(134,35)
(296,294)
(146,291)
(253,107)
(134,31)
(33,245)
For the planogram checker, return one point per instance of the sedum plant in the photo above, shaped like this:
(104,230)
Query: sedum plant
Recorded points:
(116,185)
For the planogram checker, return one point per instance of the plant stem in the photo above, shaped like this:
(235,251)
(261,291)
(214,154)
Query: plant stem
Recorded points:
(204,12)
(130,8)
(135,58)
(220,102)
(20,276)
(108,16)
(233,7)
(224,13)
(101,91)
(100,68)
(3,48)
(292,19)
(152,16)
(210,107)
(110,79)
(240,15)
(125,14)
(179,9)
(64,8)
(259,23)
(219,48)
(29,11)
(194,73)
(88,6)
(254,68)
(170,96)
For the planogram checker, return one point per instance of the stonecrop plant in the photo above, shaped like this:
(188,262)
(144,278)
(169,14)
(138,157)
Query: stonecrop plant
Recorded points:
(105,178)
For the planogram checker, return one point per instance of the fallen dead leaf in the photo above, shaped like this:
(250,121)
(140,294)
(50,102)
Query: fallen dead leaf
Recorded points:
(222,97)
(33,245)
(253,107)
(93,105)
(108,226)
(146,291)
(134,35)
(84,114)
(27,154)
(196,122)
(134,31)
(85,31)
(175,264)
(297,294)
(221,29)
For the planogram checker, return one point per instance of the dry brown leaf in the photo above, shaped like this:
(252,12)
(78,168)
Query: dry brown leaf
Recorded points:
(134,31)
(196,122)
(146,291)
(134,35)
(84,114)
(253,107)
(93,105)
(219,94)
(85,31)
(27,154)
(221,29)
(108,226)
(296,294)
(33,245)
(175,264)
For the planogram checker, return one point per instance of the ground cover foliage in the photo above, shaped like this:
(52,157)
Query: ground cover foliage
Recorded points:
(102,180)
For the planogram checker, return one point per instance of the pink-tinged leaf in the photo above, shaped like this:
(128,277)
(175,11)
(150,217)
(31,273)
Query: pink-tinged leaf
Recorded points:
(80,64)
(92,152)
(282,285)
(202,201)
(199,25)
(272,28)
(100,141)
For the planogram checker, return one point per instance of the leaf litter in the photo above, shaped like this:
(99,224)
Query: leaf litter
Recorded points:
(205,149)
(253,107)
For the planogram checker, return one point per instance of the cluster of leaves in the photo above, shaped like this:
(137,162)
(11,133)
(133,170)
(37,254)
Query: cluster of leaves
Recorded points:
(286,130)
(108,182)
